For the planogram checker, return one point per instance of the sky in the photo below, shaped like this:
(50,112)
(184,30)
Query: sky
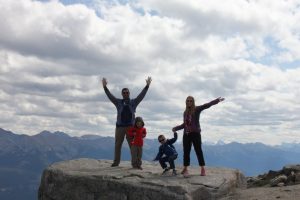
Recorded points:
(53,55)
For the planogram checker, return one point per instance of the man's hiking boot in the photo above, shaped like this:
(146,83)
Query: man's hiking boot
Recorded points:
(114,165)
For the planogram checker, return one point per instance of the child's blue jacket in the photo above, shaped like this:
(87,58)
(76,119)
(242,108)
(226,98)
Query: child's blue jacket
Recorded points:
(167,148)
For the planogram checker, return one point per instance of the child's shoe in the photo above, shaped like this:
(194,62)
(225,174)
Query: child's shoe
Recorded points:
(174,173)
(203,172)
(165,170)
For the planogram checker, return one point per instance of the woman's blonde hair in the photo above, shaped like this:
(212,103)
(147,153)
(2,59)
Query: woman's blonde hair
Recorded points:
(189,110)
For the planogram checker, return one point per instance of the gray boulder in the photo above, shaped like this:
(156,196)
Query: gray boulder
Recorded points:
(289,175)
(89,179)
(277,180)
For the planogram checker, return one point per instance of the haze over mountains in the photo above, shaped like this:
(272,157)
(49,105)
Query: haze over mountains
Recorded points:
(23,157)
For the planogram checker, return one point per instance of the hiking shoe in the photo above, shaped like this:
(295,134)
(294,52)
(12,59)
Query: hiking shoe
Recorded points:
(140,168)
(203,172)
(174,173)
(114,165)
(134,167)
(183,171)
(165,170)
(186,174)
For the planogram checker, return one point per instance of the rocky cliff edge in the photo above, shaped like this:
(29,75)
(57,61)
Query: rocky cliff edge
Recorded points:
(90,179)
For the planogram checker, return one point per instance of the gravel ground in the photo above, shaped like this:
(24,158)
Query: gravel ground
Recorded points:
(267,193)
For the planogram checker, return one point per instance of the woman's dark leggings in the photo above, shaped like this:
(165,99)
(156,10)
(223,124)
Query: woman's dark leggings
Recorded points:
(188,140)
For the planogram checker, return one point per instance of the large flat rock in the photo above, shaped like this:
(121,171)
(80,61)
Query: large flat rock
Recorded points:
(90,179)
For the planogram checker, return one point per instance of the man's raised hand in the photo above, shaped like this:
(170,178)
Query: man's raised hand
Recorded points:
(148,80)
(104,82)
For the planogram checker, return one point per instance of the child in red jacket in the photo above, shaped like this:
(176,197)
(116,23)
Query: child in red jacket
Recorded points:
(137,133)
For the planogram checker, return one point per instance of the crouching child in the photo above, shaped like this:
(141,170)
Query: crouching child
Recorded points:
(167,153)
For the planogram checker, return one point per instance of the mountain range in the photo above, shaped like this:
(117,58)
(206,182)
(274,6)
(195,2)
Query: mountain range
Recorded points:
(23,157)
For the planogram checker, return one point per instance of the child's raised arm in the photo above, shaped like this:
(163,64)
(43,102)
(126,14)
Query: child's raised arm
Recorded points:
(171,141)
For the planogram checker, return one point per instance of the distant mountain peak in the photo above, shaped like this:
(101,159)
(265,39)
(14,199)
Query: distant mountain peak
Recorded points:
(61,134)
(46,133)
(90,137)
(220,142)
(5,132)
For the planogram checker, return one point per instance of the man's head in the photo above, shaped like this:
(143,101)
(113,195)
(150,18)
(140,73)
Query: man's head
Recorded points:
(161,139)
(125,93)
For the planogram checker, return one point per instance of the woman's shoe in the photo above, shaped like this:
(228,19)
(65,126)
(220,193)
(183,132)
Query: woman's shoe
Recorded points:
(186,174)
(202,172)
(183,171)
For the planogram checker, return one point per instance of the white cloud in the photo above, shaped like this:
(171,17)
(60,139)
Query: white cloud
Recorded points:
(53,56)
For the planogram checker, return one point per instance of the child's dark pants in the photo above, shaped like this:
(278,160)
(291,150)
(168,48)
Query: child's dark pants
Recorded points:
(169,159)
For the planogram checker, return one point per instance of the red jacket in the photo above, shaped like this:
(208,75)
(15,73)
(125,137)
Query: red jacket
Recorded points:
(137,134)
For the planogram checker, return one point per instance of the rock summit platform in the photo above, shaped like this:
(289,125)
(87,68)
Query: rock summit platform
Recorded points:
(90,179)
